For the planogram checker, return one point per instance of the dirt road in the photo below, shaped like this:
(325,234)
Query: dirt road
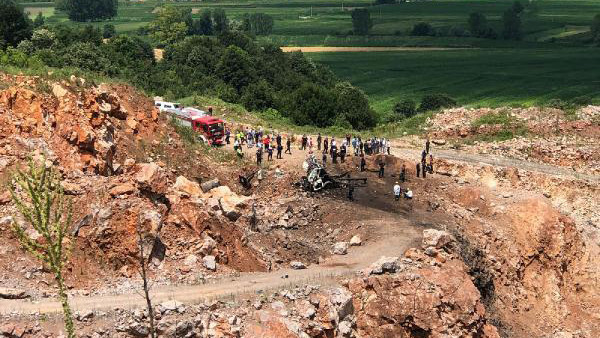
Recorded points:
(391,237)
(499,161)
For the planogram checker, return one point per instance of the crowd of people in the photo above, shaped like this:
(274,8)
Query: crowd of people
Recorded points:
(330,149)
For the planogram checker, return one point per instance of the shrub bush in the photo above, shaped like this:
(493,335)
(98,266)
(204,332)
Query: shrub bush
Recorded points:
(436,101)
(405,109)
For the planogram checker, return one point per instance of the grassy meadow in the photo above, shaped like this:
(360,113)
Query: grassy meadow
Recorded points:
(477,77)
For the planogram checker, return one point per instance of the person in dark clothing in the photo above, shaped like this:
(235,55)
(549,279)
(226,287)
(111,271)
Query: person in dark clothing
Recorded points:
(326,144)
(351,192)
(288,145)
(258,156)
(418,169)
(304,142)
(279,149)
(424,168)
(403,173)
(423,156)
(363,162)
(278,139)
(348,136)
(381,168)
(319,141)
(227,135)
(360,146)
(342,152)
(430,166)
(324,157)
(427,144)
(270,153)
(334,155)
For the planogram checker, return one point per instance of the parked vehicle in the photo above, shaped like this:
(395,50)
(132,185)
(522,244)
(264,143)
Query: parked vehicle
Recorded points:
(164,106)
(210,129)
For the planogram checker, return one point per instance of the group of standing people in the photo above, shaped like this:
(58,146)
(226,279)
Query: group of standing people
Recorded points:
(264,143)
(346,146)
(424,167)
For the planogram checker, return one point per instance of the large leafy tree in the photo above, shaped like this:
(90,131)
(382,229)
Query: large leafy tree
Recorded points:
(15,26)
(361,21)
(313,105)
(353,106)
(91,10)
(257,23)
(170,26)
(235,68)
(221,24)
(478,24)
(512,25)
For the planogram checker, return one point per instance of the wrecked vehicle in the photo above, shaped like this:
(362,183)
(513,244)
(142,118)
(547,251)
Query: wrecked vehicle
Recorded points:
(317,178)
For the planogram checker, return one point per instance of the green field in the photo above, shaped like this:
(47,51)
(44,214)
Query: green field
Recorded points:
(293,17)
(480,77)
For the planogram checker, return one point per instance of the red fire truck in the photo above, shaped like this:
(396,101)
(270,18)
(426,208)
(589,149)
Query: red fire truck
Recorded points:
(210,129)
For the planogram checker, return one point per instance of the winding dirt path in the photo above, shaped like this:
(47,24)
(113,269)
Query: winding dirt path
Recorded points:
(498,161)
(392,236)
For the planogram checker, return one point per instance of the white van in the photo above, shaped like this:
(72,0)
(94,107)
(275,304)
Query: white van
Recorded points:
(163,106)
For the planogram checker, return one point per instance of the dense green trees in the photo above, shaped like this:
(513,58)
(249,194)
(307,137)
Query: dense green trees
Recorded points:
(405,109)
(361,21)
(170,25)
(108,31)
(422,29)
(512,25)
(477,24)
(90,10)
(231,66)
(235,68)
(39,20)
(220,21)
(257,23)
(15,26)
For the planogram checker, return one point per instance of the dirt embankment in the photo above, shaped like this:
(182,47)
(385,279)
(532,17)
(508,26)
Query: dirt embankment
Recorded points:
(542,135)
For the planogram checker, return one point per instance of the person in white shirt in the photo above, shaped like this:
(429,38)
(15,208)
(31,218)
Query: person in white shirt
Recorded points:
(408,194)
(397,191)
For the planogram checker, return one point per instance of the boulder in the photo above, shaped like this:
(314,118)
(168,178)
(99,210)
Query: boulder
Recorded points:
(209,262)
(151,177)
(171,305)
(209,185)
(438,142)
(355,241)
(185,187)
(190,260)
(436,238)
(383,265)
(138,330)
(297,265)
(340,248)
(208,245)
(58,90)
(122,189)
